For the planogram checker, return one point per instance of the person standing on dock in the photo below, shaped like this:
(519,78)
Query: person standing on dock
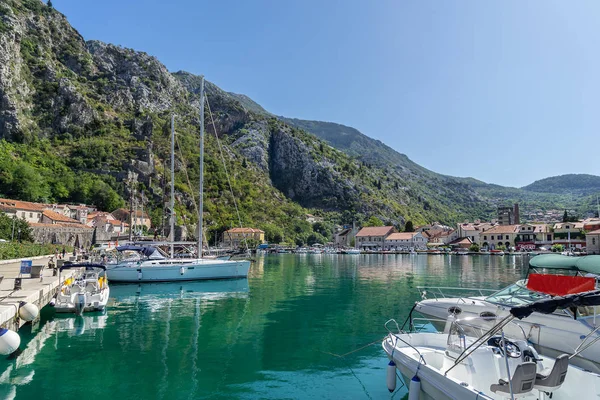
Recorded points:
(64,253)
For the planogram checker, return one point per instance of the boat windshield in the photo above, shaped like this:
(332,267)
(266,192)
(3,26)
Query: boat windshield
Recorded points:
(516,294)
(463,332)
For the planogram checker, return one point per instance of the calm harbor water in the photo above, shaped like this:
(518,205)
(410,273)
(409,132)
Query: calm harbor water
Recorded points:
(298,328)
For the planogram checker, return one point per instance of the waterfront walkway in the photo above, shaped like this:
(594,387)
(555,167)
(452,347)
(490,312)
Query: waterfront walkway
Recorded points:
(38,291)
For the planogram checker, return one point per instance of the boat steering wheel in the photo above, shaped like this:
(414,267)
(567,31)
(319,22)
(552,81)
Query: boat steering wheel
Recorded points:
(512,349)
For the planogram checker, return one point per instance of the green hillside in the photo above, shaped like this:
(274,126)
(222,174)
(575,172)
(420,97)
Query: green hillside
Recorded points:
(77,116)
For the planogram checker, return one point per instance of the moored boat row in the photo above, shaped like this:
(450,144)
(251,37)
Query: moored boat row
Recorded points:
(483,351)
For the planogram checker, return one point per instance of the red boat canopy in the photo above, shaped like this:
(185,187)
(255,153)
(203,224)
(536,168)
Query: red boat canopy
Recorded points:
(560,285)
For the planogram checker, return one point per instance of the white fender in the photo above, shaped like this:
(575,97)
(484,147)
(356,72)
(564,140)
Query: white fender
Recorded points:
(414,388)
(182,270)
(28,311)
(9,341)
(391,376)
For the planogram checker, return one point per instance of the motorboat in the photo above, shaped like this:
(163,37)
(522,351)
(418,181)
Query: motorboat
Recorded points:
(475,358)
(150,264)
(551,334)
(351,251)
(85,291)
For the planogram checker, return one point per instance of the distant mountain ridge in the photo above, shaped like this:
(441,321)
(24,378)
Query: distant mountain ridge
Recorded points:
(580,183)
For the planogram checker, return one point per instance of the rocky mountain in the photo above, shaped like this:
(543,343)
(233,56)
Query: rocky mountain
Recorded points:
(76,116)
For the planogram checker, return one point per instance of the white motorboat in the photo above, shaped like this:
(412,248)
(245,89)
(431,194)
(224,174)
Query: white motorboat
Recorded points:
(150,264)
(85,291)
(477,359)
(351,251)
(551,334)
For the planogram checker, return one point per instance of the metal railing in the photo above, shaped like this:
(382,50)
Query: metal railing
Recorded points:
(438,292)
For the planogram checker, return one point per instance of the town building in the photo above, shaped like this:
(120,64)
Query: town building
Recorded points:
(569,234)
(531,236)
(237,237)
(472,230)
(373,237)
(508,215)
(139,218)
(592,242)
(405,241)
(344,237)
(499,235)
(30,212)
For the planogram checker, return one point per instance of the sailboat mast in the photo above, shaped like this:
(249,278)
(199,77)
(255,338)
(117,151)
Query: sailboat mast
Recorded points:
(201,201)
(172,230)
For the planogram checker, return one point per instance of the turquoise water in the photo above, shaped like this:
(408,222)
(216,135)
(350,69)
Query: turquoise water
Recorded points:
(300,327)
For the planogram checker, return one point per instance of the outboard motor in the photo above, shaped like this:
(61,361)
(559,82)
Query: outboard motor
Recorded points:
(79,303)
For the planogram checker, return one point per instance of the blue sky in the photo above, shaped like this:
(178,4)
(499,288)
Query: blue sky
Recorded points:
(506,91)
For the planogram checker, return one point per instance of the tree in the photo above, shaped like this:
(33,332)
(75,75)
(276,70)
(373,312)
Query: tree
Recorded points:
(20,227)
(565,217)
(28,184)
(408,227)
(374,221)
(324,229)
(474,247)
(558,248)
(50,3)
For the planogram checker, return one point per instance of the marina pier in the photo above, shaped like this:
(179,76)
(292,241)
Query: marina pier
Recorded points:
(38,291)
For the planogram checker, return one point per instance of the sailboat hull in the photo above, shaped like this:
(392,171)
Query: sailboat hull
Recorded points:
(174,271)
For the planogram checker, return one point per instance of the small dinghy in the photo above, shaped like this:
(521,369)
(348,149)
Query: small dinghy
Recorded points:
(85,291)
(490,359)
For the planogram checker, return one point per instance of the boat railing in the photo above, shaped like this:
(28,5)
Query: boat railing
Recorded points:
(585,344)
(441,292)
(396,338)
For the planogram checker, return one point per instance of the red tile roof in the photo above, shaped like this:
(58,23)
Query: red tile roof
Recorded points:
(375,231)
(23,205)
(401,236)
(596,232)
(54,216)
(503,229)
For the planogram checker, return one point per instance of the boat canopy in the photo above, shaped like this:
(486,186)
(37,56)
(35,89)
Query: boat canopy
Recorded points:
(560,285)
(548,306)
(150,252)
(589,264)
(87,266)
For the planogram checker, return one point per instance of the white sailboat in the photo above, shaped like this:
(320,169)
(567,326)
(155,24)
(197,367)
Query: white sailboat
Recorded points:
(154,266)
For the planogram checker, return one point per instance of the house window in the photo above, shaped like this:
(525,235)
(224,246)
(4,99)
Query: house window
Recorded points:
(492,237)
(549,237)
(484,237)
(594,241)
(567,227)
(506,237)
(30,215)
(529,228)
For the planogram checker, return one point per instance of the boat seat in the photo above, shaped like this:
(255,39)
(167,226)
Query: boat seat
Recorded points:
(522,381)
(551,379)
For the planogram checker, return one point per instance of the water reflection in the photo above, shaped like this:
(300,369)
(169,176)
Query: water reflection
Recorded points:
(20,371)
(273,335)
(155,292)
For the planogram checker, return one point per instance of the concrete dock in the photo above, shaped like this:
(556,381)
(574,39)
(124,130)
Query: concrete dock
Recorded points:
(34,290)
